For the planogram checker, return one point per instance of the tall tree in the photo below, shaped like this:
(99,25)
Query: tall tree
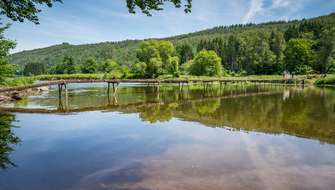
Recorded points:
(34,68)
(159,57)
(6,69)
(291,32)
(232,52)
(185,52)
(69,65)
(277,43)
(89,66)
(299,56)
(326,53)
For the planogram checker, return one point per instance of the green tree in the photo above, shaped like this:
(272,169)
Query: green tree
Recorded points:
(34,68)
(69,65)
(59,68)
(291,32)
(258,58)
(174,66)
(185,52)
(89,66)
(206,63)
(139,69)
(109,65)
(154,67)
(6,69)
(277,43)
(299,56)
(326,53)
(216,44)
(159,56)
(232,53)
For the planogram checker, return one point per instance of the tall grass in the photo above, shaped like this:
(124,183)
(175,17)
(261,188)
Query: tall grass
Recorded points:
(16,81)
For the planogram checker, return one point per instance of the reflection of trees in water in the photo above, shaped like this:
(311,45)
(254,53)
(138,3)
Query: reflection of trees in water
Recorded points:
(7,139)
(309,114)
(157,113)
(207,107)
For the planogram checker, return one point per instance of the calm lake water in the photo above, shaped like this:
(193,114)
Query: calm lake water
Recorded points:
(234,137)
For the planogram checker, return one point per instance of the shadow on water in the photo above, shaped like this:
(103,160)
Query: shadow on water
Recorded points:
(7,140)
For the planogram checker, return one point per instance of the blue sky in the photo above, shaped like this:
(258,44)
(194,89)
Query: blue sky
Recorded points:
(91,21)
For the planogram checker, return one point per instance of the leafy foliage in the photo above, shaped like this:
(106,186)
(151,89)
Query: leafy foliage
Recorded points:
(34,68)
(244,50)
(206,63)
(147,5)
(89,66)
(326,52)
(159,58)
(6,69)
(19,10)
(299,56)
(185,52)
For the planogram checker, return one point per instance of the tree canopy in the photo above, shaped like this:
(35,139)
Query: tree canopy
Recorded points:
(6,69)
(299,56)
(20,10)
(206,63)
(243,49)
(159,57)
(146,6)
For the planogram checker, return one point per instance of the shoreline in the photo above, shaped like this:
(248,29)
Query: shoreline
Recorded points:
(18,95)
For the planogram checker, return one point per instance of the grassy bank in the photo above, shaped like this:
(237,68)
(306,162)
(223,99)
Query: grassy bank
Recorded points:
(329,80)
(17,81)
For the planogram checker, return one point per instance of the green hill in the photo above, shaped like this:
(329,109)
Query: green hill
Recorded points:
(124,52)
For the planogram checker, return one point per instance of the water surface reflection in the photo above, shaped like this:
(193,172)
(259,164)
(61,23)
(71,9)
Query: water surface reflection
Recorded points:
(237,137)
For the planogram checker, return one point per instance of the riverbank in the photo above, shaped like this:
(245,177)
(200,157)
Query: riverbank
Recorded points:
(329,80)
(19,94)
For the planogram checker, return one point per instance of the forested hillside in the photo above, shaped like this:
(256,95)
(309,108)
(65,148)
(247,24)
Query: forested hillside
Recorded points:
(299,46)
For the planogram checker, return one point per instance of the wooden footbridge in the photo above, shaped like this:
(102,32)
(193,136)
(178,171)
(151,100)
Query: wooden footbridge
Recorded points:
(112,85)
(62,84)
(114,106)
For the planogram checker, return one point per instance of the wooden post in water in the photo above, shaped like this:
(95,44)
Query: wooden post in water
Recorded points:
(108,88)
(59,91)
(66,97)
(115,85)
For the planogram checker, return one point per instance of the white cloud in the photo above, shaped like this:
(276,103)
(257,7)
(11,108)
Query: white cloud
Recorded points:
(256,6)
(280,3)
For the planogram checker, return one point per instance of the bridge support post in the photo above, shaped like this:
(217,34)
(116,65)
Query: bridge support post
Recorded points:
(114,87)
(60,91)
(66,97)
